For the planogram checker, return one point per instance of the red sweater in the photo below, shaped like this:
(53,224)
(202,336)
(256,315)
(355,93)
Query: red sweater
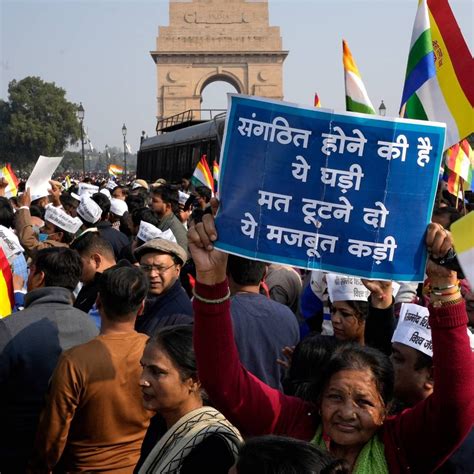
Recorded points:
(418,440)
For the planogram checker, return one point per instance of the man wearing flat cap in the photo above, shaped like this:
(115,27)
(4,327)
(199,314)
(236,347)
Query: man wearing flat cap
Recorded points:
(161,260)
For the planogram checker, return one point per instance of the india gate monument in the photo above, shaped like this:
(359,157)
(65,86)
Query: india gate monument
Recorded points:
(216,40)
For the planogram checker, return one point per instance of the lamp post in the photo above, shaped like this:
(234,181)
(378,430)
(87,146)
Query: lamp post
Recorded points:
(80,116)
(382,109)
(124,133)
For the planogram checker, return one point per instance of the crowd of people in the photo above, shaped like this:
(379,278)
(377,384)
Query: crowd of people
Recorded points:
(134,345)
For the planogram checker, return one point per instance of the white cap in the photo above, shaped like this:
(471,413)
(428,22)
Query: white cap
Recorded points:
(89,210)
(87,189)
(118,207)
(111,184)
(62,220)
(10,243)
(106,192)
(40,193)
(182,197)
(148,232)
(346,288)
(413,329)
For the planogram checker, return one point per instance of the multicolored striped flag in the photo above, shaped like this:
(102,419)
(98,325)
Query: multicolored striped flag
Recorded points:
(460,159)
(6,286)
(115,170)
(357,99)
(317,102)
(202,175)
(438,81)
(458,169)
(464,244)
(215,174)
(12,189)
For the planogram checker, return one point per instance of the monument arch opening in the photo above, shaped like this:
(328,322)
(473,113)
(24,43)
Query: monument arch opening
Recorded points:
(214,93)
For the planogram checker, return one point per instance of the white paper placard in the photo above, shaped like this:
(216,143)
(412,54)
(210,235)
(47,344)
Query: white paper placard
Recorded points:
(38,182)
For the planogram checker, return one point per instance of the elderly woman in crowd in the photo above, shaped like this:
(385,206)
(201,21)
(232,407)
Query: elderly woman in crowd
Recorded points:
(350,418)
(198,437)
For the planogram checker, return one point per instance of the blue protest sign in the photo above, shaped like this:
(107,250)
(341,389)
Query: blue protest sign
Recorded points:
(341,192)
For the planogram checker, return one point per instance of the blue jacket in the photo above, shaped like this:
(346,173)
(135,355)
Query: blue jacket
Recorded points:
(158,309)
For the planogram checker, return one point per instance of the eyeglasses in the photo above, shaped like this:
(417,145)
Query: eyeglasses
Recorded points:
(161,270)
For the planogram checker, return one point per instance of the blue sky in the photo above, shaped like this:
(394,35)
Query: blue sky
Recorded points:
(98,51)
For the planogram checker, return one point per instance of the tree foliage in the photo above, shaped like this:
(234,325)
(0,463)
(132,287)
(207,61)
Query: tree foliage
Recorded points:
(36,120)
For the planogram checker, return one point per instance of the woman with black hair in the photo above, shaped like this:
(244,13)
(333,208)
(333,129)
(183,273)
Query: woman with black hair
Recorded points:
(198,437)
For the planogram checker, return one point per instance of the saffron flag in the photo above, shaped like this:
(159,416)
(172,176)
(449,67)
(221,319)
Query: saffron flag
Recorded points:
(202,175)
(215,174)
(438,81)
(357,99)
(12,188)
(317,102)
(115,170)
(6,286)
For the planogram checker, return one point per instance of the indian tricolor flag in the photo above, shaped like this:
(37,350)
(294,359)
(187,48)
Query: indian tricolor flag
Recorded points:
(115,170)
(438,81)
(202,175)
(6,286)
(463,235)
(357,99)
(12,189)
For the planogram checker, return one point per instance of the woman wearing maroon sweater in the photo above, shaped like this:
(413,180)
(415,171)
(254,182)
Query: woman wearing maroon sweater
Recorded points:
(350,418)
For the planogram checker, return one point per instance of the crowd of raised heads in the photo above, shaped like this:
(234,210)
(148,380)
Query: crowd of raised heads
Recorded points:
(134,345)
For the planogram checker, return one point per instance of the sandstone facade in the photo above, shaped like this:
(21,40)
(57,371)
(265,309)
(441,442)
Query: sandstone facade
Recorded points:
(211,40)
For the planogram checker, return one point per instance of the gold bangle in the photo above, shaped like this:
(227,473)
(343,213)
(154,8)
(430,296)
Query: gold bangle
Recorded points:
(205,300)
(441,303)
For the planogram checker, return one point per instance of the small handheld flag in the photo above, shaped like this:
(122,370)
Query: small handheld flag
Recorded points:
(215,174)
(317,102)
(202,175)
(115,170)
(12,188)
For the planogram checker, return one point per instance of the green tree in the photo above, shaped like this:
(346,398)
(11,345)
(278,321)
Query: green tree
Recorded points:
(36,120)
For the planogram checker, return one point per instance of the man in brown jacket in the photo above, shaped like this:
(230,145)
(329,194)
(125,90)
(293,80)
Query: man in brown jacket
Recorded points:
(94,419)
(58,230)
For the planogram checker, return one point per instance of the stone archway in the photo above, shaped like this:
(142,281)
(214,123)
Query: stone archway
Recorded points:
(209,40)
